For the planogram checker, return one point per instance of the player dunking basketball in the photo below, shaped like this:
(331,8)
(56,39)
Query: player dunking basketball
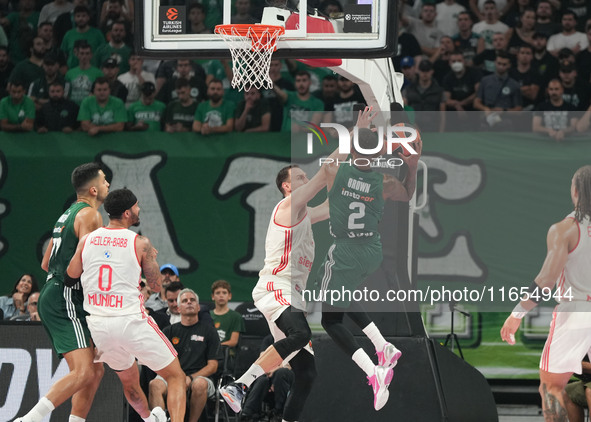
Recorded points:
(356,196)
(568,266)
(289,253)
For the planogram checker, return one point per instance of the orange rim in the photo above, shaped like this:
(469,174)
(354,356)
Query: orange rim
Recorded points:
(247,30)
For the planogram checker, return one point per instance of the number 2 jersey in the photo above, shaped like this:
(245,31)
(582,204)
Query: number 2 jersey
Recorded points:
(112,273)
(356,204)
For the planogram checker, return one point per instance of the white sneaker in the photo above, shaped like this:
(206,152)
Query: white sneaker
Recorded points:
(389,356)
(159,414)
(380,381)
(233,394)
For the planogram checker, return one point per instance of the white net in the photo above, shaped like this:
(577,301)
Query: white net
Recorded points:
(252,47)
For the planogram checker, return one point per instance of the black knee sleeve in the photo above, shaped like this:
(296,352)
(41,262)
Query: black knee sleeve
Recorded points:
(296,329)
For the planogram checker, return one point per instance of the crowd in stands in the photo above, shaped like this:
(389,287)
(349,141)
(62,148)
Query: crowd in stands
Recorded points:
(70,66)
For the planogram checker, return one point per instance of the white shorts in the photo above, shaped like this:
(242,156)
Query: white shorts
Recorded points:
(272,296)
(210,386)
(568,342)
(120,340)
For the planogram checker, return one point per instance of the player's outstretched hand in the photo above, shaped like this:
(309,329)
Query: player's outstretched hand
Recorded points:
(365,117)
(509,329)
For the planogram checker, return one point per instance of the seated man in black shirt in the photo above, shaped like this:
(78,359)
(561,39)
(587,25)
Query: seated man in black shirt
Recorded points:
(198,346)
(555,116)
(59,114)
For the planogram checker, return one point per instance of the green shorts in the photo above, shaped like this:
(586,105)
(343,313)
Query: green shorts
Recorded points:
(345,268)
(576,392)
(63,316)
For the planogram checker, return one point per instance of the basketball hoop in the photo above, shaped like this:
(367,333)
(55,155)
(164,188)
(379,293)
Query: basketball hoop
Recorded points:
(251,47)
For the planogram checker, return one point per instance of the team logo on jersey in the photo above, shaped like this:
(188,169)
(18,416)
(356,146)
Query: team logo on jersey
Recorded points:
(107,254)
(195,337)
(175,340)
(217,324)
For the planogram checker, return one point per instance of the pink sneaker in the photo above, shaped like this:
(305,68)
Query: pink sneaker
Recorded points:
(389,356)
(379,381)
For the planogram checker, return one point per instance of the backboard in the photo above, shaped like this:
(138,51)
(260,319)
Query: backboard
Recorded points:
(363,29)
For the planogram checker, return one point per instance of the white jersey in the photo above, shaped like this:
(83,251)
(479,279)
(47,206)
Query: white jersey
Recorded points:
(576,274)
(289,251)
(111,273)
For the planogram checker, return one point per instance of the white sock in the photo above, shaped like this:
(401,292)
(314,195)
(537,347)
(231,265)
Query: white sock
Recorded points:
(43,408)
(76,419)
(252,374)
(373,333)
(363,361)
(150,418)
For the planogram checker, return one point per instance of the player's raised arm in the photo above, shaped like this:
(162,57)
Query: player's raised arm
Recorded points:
(147,254)
(562,237)
(319,213)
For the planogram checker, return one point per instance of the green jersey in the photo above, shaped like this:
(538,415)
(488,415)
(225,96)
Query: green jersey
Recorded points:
(149,114)
(299,109)
(93,36)
(65,242)
(17,113)
(215,116)
(79,82)
(356,204)
(112,112)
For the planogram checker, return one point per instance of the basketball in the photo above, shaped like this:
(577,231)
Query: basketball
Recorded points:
(403,134)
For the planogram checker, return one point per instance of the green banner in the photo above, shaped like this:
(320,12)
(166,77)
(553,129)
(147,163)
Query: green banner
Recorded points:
(206,202)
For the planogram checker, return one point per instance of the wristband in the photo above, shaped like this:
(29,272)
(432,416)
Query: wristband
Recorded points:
(534,292)
(519,311)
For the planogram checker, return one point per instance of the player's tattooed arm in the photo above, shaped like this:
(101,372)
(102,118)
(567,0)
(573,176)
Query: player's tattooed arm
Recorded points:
(149,264)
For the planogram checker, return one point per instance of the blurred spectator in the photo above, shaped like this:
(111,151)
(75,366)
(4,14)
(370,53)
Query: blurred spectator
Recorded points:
(14,303)
(527,77)
(80,78)
(544,63)
(110,71)
(6,67)
(39,89)
(523,33)
(328,89)
(243,16)
(65,22)
(125,10)
(441,59)
(271,96)
(460,84)
(146,114)
(228,323)
(158,301)
(31,313)
(545,19)
(478,7)
(115,48)
(341,108)
(490,25)
(447,16)
(576,91)
(112,12)
(578,394)
(425,94)
(424,30)
(3,38)
(17,111)
(569,37)
(498,92)
(51,11)
(135,78)
(45,32)
(513,16)
(81,31)
(30,69)
(101,112)
(180,113)
(193,73)
(215,115)
(21,28)
(328,7)
(466,40)
(252,114)
(299,105)
(58,114)
(170,314)
(554,116)
(584,57)
(566,57)
(409,70)
(486,59)
(197,16)
(407,46)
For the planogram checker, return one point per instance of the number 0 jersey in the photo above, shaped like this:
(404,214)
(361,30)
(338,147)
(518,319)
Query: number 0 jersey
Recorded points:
(289,251)
(576,274)
(111,273)
(356,204)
